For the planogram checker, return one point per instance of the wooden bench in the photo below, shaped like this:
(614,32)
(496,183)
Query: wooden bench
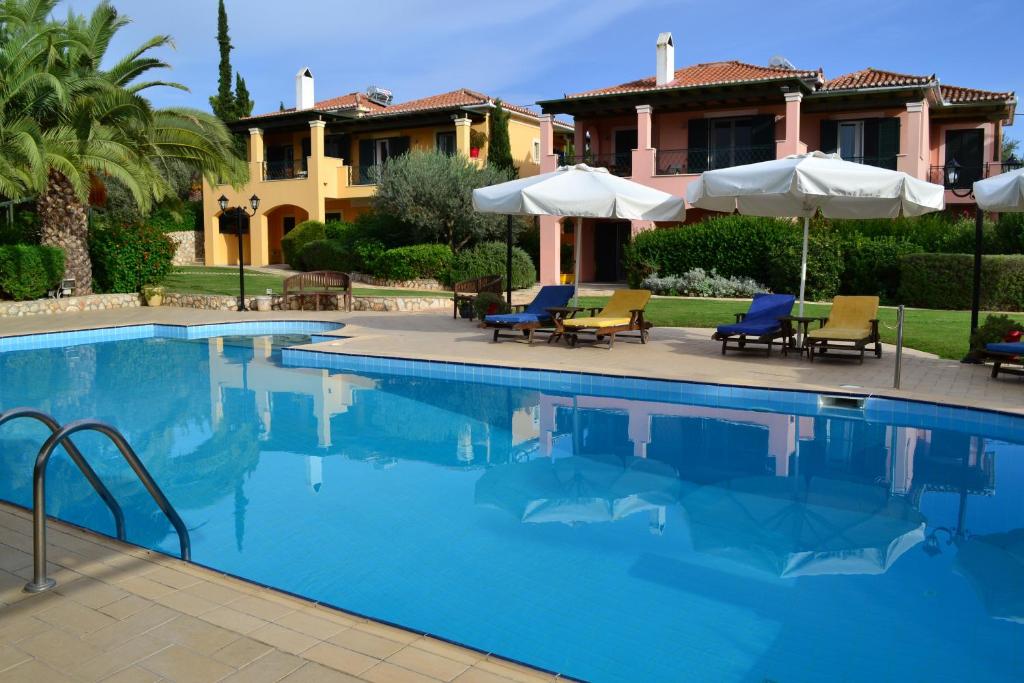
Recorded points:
(468,289)
(320,283)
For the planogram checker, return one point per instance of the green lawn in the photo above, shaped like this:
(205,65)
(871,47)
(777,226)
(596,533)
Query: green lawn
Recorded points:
(220,280)
(943,333)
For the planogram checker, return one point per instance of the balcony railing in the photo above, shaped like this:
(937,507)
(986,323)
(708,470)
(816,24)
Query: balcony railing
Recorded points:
(284,170)
(698,160)
(966,175)
(882,162)
(619,163)
(365,175)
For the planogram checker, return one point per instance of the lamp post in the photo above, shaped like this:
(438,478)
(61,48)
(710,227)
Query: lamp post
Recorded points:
(254,203)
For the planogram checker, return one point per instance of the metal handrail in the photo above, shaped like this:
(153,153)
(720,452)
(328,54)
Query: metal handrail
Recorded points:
(77,458)
(40,582)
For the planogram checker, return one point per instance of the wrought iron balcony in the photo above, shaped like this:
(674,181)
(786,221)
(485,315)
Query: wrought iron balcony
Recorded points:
(698,160)
(888,162)
(619,163)
(965,175)
(284,170)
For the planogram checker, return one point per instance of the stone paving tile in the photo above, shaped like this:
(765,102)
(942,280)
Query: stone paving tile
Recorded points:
(269,668)
(233,619)
(283,638)
(182,665)
(260,607)
(340,658)
(312,672)
(310,624)
(241,651)
(390,673)
(110,662)
(133,674)
(10,657)
(75,618)
(427,663)
(194,634)
(126,606)
(367,643)
(33,671)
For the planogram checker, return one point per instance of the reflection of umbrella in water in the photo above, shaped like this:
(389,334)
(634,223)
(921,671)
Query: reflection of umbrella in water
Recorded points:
(796,527)
(994,564)
(579,489)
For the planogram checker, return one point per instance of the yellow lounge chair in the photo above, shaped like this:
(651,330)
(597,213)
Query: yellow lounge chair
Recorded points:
(624,312)
(852,325)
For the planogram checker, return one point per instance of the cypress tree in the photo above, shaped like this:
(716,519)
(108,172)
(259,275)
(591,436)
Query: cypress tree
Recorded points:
(243,101)
(499,153)
(223,103)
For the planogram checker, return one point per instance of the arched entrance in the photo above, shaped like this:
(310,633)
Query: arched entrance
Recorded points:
(280,220)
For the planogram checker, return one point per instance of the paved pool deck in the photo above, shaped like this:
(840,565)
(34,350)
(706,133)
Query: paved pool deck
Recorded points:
(122,613)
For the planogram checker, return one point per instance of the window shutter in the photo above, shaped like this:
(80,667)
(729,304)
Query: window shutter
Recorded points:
(762,137)
(697,143)
(398,146)
(829,143)
(888,142)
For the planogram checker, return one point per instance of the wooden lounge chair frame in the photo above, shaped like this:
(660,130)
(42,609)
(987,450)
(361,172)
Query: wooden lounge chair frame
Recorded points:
(637,324)
(785,333)
(468,289)
(1000,360)
(846,347)
(320,283)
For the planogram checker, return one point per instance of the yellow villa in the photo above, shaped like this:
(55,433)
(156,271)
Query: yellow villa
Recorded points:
(313,161)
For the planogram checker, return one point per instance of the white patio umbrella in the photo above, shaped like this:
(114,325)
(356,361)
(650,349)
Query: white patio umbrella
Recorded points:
(579,192)
(1002,193)
(802,184)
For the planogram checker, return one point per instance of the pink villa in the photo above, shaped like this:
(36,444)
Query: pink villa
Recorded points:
(664,130)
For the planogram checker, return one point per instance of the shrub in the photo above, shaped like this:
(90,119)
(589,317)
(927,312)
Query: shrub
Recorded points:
(24,229)
(299,236)
(935,232)
(125,258)
(28,271)
(731,245)
(188,216)
(488,258)
(698,282)
(871,266)
(416,261)
(824,267)
(336,230)
(994,329)
(946,281)
(486,303)
(324,255)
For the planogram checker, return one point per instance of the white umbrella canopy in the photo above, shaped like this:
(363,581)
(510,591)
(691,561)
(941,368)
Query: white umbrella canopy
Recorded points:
(1003,192)
(802,184)
(579,191)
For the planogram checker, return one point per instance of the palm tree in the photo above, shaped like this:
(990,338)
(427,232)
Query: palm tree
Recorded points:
(93,125)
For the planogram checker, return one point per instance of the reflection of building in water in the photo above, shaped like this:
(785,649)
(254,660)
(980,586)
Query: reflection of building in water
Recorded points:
(251,369)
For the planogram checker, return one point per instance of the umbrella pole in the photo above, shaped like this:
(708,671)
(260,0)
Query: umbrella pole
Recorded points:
(803,272)
(508,261)
(577,251)
(979,238)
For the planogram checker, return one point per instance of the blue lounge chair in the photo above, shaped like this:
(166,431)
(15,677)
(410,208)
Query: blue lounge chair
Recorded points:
(532,316)
(1005,353)
(760,324)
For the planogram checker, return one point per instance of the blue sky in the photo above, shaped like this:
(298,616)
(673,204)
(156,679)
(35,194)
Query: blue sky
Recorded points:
(528,50)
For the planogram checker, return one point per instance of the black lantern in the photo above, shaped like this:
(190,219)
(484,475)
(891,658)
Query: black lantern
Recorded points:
(952,172)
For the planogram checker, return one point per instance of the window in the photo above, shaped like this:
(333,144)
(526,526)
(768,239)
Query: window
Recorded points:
(535,154)
(966,147)
(334,217)
(725,142)
(446,143)
(851,141)
(381,148)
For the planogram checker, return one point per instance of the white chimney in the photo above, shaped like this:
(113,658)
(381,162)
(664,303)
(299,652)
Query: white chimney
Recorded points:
(304,89)
(666,59)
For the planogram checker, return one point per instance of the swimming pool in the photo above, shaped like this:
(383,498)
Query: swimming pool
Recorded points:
(605,528)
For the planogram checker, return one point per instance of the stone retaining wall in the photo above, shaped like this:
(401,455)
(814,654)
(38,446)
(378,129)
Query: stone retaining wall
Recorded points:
(422,283)
(188,247)
(69,304)
(278,303)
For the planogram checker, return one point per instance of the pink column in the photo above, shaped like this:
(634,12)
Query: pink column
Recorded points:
(913,133)
(643,155)
(579,139)
(550,229)
(791,123)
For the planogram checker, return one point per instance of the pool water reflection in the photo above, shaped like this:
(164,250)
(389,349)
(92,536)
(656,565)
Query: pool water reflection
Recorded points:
(606,538)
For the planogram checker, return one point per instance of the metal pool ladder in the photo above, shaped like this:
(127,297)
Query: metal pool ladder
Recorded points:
(61,436)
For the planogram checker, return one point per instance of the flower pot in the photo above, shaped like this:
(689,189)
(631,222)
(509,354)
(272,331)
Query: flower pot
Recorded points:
(474,152)
(566,278)
(466,310)
(154,299)
(264,303)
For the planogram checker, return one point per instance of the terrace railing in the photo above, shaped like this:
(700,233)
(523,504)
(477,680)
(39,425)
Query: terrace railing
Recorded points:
(618,163)
(881,162)
(700,159)
(284,170)
(365,175)
(965,175)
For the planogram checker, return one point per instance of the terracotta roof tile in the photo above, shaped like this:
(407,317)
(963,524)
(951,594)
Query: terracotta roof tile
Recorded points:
(954,94)
(874,78)
(711,73)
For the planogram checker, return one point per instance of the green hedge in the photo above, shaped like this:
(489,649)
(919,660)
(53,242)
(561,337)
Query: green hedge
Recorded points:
(125,258)
(488,258)
(28,271)
(872,266)
(416,261)
(824,266)
(324,255)
(946,281)
(298,237)
(188,216)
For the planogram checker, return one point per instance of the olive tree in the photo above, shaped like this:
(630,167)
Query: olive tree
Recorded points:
(432,193)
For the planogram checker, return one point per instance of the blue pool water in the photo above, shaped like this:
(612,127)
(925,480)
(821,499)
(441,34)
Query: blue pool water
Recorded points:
(611,530)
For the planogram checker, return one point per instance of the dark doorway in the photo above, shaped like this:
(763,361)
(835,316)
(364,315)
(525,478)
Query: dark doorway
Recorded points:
(287,224)
(625,142)
(610,241)
(966,147)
